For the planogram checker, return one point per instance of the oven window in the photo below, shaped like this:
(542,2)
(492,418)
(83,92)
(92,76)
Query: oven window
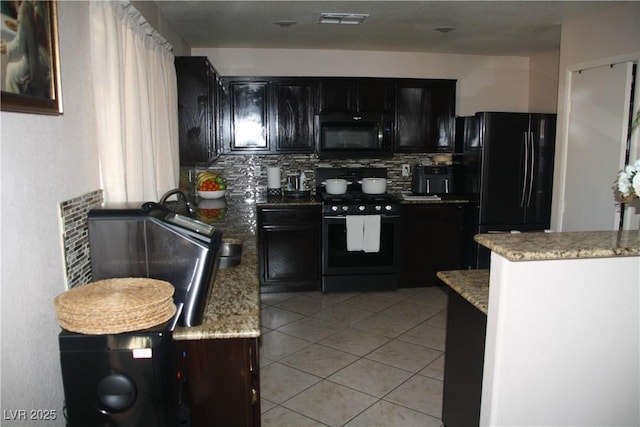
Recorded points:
(361,136)
(337,256)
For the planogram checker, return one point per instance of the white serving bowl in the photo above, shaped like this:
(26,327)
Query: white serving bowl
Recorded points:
(211,194)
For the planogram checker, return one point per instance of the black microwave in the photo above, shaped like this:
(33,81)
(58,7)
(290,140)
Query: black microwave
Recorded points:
(344,135)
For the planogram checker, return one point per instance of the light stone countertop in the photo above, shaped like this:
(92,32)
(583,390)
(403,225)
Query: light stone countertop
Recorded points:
(538,246)
(472,285)
(233,307)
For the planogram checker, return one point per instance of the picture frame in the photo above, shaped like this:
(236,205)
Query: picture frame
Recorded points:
(26,88)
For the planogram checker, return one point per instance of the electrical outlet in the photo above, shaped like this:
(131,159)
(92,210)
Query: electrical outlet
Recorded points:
(405,170)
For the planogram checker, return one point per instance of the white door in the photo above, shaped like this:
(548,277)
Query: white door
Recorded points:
(596,146)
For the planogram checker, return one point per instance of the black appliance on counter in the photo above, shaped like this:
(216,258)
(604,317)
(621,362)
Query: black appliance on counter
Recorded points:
(130,379)
(357,270)
(506,169)
(432,179)
(358,135)
(120,380)
(149,240)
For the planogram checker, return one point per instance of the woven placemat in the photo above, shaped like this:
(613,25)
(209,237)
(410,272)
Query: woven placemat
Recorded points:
(114,306)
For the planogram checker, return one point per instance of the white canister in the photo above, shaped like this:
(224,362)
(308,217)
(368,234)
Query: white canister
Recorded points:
(273,177)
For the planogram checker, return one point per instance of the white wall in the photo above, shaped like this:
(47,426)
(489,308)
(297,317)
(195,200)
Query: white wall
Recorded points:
(543,82)
(45,160)
(485,83)
(601,38)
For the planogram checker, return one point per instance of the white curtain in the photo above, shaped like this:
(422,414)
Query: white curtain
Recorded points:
(136,105)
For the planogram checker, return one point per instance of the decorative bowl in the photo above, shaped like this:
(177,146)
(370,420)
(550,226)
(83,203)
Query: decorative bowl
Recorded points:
(212,194)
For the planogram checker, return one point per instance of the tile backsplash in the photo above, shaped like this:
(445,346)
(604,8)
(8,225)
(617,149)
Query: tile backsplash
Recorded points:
(75,236)
(245,174)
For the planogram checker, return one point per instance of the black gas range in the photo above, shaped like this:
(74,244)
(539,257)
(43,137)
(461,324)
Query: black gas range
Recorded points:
(354,201)
(374,216)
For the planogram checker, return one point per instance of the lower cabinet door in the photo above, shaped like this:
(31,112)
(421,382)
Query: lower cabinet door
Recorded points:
(220,381)
(289,248)
(290,258)
(431,241)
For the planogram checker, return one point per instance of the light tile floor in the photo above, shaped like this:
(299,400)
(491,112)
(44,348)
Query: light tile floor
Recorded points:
(353,359)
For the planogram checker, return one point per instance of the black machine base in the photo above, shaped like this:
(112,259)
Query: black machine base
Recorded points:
(360,283)
(119,380)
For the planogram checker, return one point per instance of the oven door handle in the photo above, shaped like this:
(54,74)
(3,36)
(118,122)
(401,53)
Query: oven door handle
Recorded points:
(345,216)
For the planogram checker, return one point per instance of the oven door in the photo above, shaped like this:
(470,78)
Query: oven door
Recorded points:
(337,260)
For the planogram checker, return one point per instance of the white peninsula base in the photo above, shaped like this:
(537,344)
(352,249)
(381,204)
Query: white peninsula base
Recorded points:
(563,342)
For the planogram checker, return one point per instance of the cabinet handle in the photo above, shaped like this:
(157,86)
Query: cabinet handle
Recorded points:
(254,396)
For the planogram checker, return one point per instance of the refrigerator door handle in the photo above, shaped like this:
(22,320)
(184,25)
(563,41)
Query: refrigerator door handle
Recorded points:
(533,165)
(526,168)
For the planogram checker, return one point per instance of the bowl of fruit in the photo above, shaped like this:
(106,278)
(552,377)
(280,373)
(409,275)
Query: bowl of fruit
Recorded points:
(211,185)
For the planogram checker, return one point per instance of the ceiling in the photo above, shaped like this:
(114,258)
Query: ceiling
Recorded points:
(511,28)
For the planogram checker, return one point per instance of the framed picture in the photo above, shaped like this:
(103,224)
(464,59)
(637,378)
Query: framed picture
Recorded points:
(29,57)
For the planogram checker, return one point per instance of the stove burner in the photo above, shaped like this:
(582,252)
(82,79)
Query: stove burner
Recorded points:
(357,197)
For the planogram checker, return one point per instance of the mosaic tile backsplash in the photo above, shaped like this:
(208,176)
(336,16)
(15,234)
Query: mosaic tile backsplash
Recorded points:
(245,174)
(75,236)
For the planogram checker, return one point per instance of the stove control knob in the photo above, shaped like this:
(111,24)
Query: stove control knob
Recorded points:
(361,208)
(378,208)
(334,208)
(388,207)
(345,208)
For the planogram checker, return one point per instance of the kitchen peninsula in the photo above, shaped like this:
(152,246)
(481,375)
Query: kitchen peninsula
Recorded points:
(562,328)
(218,359)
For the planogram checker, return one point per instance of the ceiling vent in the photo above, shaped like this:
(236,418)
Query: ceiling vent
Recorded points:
(343,18)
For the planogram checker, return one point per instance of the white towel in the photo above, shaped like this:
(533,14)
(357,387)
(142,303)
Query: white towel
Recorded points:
(355,232)
(371,233)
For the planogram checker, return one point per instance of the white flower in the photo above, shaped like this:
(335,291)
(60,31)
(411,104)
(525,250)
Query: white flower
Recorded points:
(628,182)
(635,183)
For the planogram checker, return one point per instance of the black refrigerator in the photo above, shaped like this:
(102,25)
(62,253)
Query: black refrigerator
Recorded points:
(505,164)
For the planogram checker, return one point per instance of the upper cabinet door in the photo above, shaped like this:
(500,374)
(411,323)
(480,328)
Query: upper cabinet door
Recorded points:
(337,96)
(197,107)
(425,116)
(375,96)
(356,95)
(248,115)
(293,109)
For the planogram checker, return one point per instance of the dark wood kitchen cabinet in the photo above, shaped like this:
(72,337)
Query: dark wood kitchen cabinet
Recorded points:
(269,116)
(220,380)
(431,241)
(464,360)
(246,108)
(198,107)
(292,107)
(356,95)
(289,248)
(425,115)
